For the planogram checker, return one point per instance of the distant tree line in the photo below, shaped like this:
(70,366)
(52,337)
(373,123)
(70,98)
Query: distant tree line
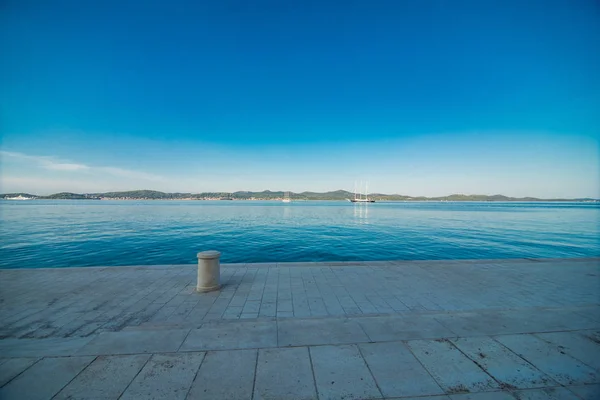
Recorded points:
(272,195)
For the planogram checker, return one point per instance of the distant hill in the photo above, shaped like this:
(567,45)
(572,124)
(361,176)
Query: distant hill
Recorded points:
(68,196)
(273,195)
(138,194)
(18,194)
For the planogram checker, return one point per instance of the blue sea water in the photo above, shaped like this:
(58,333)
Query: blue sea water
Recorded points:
(62,233)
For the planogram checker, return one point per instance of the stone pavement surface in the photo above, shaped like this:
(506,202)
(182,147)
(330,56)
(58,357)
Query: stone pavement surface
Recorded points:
(470,329)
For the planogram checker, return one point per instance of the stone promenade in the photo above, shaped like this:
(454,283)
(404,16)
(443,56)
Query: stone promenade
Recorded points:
(471,329)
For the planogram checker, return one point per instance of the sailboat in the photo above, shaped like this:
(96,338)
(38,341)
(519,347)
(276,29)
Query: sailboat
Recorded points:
(358,197)
(286,197)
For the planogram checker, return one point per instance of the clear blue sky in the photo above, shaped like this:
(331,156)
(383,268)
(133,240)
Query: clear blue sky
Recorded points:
(417,97)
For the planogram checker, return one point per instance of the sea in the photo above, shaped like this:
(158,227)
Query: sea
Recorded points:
(80,233)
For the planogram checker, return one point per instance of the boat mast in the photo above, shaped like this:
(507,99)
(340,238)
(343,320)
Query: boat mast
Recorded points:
(367,191)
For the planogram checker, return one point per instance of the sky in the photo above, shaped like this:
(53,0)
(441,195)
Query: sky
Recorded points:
(428,97)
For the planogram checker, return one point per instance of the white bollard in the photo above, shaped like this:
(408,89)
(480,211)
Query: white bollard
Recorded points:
(209,271)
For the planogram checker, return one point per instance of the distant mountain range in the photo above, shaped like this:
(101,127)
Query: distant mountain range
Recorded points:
(269,195)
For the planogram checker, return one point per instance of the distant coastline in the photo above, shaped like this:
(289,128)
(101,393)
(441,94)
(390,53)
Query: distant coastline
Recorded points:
(267,195)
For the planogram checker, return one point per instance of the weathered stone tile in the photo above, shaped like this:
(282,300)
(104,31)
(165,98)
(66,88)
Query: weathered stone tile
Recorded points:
(232,313)
(105,378)
(346,264)
(262,265)
(397,372)
(392,328)
(132,342)
(303,311)
(285,314)
(553,393)
(88,329)
(284,373)
(442,397)
(586,392)
(232,335)
(577,345)
(165,376)
(268,309)
(349,310)
(548,358)
(54,328)
(341,373)
(412,303)
(318,312)
(11,367)
(591,312)
(285,305)
(541,295)
(317,307)
(504,365)
(255,295)
(180,314)
(163,314)
(366,307)
(251,307)
(212,317)
(333,308)
(295,264)
(483,396)
(346,301)
(44,379)
(225,375)
(301,332)
(235,265)
(452,370)
(494,322)
(238,300)
(49,347)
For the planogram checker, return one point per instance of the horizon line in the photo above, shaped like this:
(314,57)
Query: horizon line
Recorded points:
(306,191)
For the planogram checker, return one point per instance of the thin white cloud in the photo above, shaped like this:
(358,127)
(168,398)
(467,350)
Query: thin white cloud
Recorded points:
(65,166)
(14,154)
(55,164)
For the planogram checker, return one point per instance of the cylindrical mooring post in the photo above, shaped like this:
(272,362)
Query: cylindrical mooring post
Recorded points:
(209,271)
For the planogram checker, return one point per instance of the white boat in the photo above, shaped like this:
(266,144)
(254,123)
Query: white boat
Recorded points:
(286,198)
(358,197)
(19,197)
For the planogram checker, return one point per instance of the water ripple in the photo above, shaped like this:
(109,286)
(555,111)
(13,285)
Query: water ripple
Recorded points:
(90,233)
